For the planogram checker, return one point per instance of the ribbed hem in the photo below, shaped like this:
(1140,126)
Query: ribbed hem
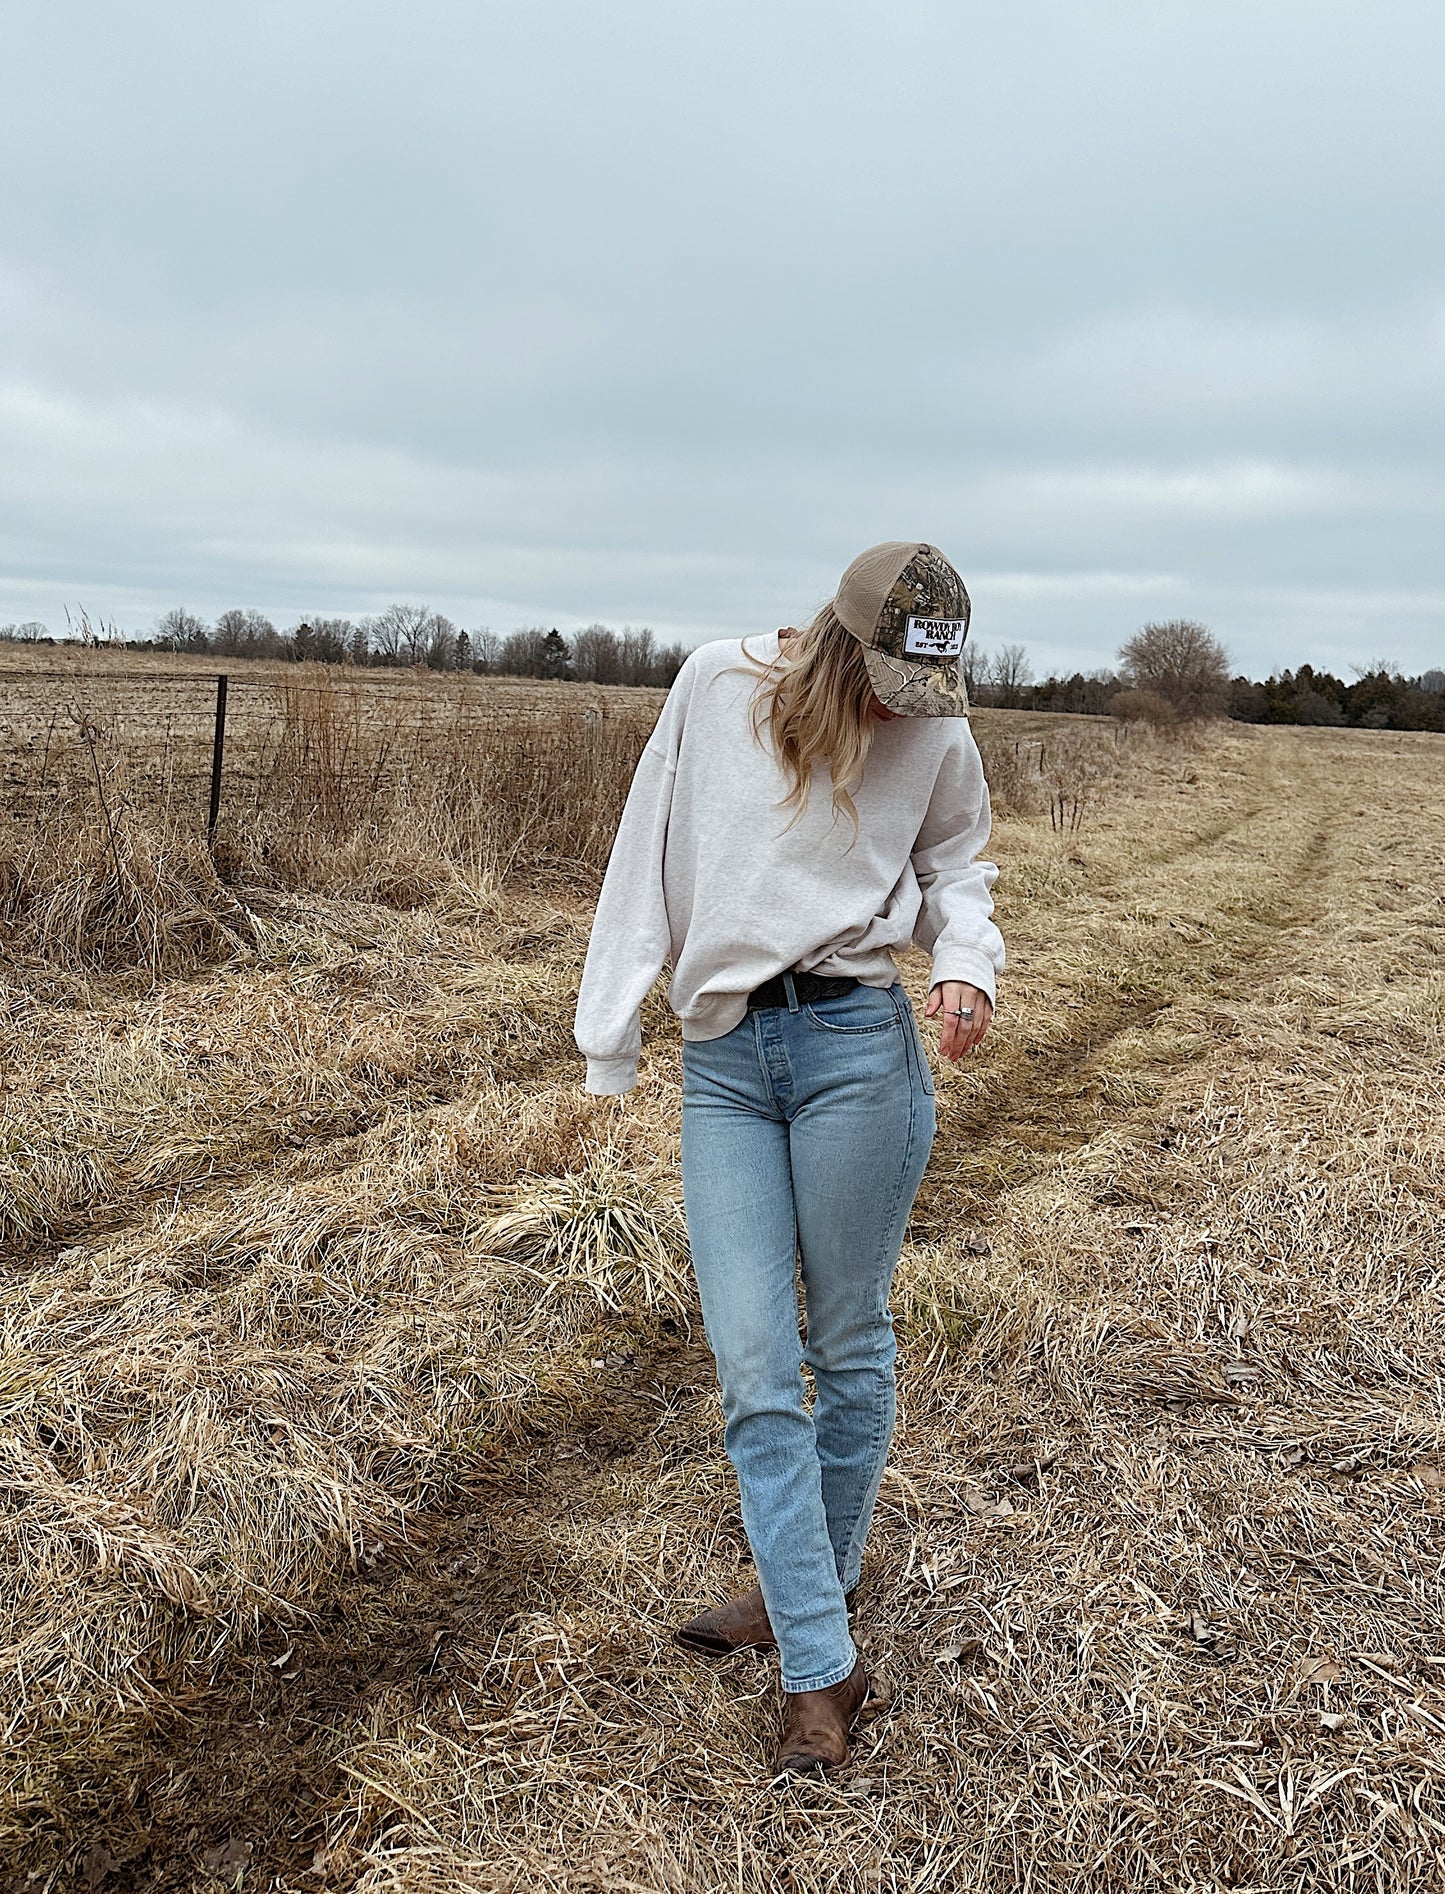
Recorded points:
(975,969)
(824,1682)
(608,1077)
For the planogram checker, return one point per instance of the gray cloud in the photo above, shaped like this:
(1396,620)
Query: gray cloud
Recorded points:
(659,313)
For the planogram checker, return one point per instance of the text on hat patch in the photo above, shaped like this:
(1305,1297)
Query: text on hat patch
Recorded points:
(934,637)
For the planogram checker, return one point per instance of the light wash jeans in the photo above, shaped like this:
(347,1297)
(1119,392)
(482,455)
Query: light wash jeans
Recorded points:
(806,1130)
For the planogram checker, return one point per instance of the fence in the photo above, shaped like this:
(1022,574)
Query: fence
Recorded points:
(385,788)
(211,746)
(138,803)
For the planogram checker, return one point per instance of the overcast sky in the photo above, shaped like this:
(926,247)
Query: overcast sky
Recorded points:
(656,313)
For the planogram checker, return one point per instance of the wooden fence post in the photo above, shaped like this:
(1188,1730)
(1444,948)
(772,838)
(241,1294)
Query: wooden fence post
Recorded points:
(218,752)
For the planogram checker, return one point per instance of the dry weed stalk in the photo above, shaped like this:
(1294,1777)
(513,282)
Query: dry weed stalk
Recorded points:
(92,881)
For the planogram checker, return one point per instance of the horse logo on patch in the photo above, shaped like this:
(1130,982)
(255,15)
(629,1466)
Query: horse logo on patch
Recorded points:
(934,637)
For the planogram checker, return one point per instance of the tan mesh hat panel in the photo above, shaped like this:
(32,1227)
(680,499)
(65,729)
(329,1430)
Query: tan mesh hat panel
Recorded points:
(867,582)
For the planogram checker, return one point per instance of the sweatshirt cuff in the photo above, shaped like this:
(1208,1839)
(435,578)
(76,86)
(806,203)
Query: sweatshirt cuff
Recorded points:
(976,969)
(608,1077)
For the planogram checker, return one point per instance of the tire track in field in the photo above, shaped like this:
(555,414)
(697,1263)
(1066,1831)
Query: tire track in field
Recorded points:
(1044,1099)
(286,1135)
(1202,839)
(250,1770)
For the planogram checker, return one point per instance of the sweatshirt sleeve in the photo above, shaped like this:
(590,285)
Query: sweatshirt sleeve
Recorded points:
(630,942)
(954,923)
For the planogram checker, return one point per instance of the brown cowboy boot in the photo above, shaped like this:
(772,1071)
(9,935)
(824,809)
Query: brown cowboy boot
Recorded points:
(740,1625)
(818,1723)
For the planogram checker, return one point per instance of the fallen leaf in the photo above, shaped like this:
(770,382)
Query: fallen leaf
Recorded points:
(955,1653)
(230,1859)
(985,1505)
(1321,1669)
(98,1864)
(1216,1639)
(1352,1462)
(1041,1460)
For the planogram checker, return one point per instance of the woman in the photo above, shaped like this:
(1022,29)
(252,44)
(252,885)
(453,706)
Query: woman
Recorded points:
(796,817)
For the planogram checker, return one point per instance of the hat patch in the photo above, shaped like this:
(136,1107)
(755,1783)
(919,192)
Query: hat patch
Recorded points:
(934,637)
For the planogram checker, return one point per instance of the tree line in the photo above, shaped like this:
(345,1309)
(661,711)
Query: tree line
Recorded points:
(1178,671)
(1173,670)
(402,635)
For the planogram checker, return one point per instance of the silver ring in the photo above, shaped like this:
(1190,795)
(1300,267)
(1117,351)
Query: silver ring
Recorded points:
(963,1012)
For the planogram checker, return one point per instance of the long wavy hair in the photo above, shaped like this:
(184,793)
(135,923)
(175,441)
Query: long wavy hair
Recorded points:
(815,702)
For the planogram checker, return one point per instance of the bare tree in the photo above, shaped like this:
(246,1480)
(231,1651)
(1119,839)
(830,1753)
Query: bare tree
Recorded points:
(524,652)
(638,655)
(322,640)
(404,634)
(1009,675)
(486,649)
(974,663)
(230,632)
(245,635)
(439,647)
(1181,661)
(333,638)
(180,630)
(669,661)
(597,656)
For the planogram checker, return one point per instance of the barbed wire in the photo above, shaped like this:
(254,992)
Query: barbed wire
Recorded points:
(373,679)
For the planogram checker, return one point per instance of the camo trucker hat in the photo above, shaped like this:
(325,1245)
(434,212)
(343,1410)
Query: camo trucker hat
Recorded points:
(907,607)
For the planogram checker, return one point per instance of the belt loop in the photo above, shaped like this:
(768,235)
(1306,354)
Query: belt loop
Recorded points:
(791,990)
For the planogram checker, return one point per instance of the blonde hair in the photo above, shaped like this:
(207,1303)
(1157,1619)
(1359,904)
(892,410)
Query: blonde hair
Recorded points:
(815,701)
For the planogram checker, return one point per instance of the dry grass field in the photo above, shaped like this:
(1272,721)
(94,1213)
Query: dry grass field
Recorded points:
(358,1443)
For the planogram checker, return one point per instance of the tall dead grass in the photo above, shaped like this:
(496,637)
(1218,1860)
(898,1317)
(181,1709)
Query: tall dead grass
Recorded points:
(301,1248)
(335,787)
(207,1418)
(93,875)
(342,800)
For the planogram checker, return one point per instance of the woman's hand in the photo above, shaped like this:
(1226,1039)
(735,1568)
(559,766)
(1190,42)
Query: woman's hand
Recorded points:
(966,1015)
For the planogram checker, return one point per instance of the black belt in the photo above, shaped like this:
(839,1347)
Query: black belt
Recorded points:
(807,986)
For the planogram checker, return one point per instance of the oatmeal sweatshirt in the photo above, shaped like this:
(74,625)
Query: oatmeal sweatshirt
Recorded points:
(705,871)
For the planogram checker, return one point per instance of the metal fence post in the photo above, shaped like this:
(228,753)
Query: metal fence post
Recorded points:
(218,751)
